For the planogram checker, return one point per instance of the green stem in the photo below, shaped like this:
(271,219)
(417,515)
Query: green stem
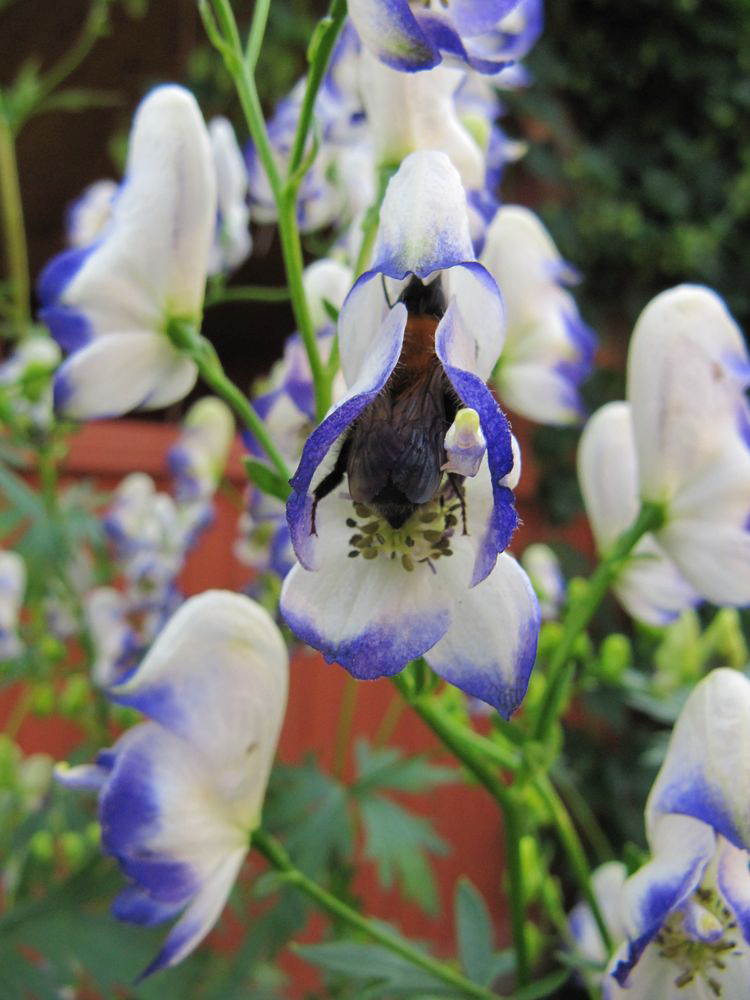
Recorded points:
(275,854)
(16,253)
(584,816)
(372,218)
(650,518)
(291,248)
(389,721)
(321,48)
(469,749)
(247,293)
(225,36)
(93,28)
(184,336)
(19,712)
(256,33)
(574,851)
(344,728)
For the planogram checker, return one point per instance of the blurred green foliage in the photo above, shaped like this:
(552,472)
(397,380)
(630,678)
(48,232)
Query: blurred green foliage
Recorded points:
(644,161)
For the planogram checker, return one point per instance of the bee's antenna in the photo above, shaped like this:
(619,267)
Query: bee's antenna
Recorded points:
(385,290)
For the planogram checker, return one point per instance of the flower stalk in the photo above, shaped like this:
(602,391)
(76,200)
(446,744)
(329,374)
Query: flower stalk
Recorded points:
(650,518)
(275,854)
(11,206)
(184,336)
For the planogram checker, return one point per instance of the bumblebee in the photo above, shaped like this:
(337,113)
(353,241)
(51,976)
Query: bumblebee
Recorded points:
(393,453)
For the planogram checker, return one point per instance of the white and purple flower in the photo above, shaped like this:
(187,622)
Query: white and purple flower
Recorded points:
(688,372)
(686,913)
(379,584)
(648,585)
(549,349)
(547,578)
(411,35)
(12,587)
(110,303)
(87,217)
(26,380)
(232,241)
(197,459)
(181,793)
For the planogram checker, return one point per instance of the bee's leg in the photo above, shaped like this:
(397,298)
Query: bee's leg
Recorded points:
(456,482)
(329,482)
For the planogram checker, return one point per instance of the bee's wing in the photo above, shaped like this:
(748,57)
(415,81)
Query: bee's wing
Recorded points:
(374,450)
(420,422)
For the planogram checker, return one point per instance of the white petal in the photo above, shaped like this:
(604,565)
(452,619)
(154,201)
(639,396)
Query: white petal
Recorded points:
(607,883)
(521,256)
(153,256)
(362,315)
(481,310)
(706,772)
(490,647)
(687,370)
(370,615)
(232,242)
(682,849)
(424,222)
(706,533)
(326,280)
(426,118)
(217,676)
(607,472)
(538,392)
(649,585)
(121,372)
(201,914)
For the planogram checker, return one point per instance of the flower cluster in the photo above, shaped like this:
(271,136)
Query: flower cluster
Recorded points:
(152,532)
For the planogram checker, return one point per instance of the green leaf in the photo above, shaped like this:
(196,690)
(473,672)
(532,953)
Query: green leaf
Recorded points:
(374,966)
(474,932)
(76,99)
(543,987)
(266,479)
(397,842)
(308,808)
(386,767)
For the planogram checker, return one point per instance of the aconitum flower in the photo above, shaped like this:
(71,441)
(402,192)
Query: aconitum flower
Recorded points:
(111,303)
(416,36)
(427,116)
(12,586)
(549,349)
(114,639)
(606,884)
(688,371)
(648,584)
(181,793)
(88,215)
(340,182)
(407,561)
(26,381)
(232,241)
(152,535)
(198,457)
(686,913)
(543,567)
